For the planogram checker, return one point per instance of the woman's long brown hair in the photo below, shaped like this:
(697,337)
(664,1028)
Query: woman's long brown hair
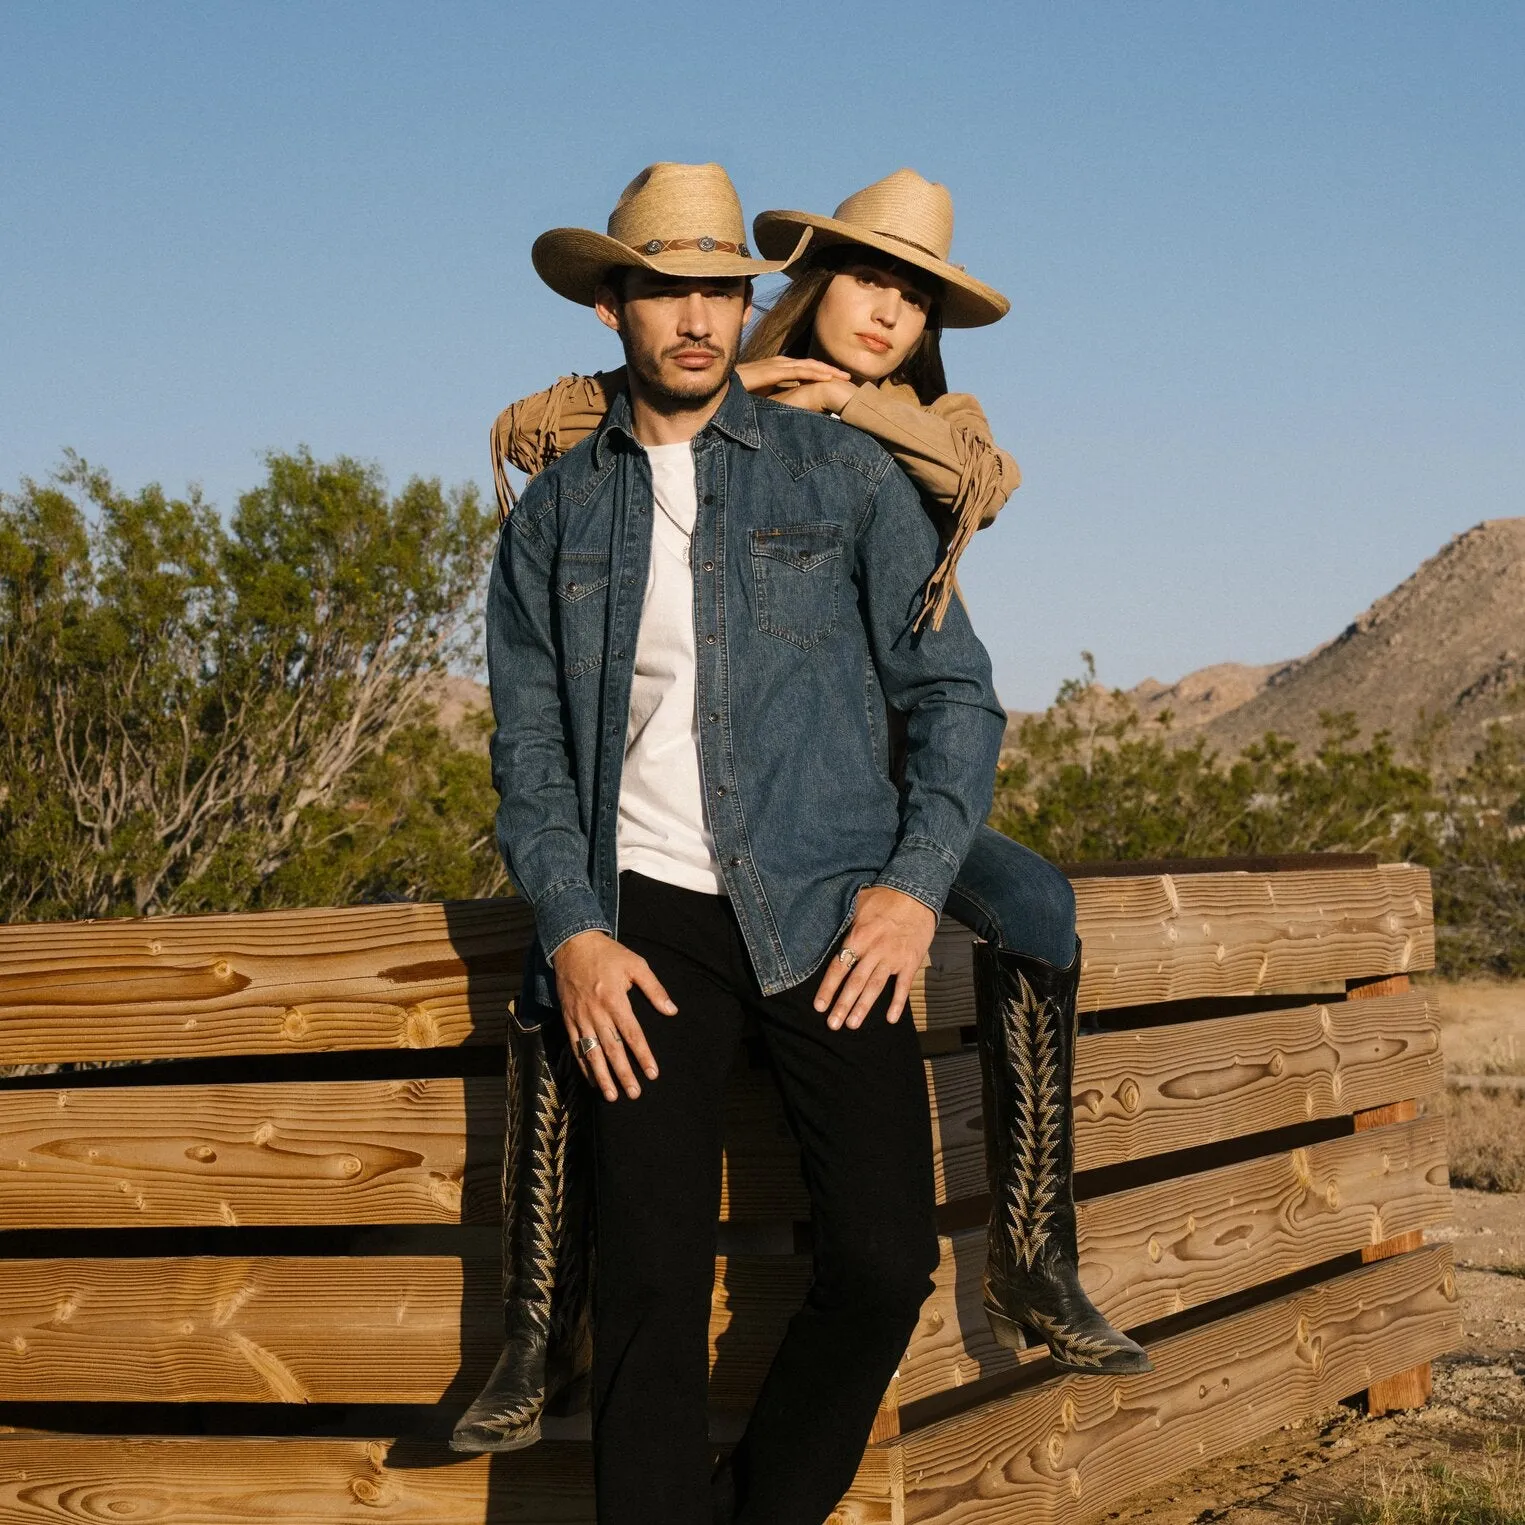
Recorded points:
(787,326)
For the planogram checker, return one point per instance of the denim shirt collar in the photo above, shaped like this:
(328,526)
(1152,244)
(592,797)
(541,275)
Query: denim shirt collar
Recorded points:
(736,418)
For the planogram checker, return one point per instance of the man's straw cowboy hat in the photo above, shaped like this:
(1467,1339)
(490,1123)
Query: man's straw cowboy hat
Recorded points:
(678,219)
(902,215)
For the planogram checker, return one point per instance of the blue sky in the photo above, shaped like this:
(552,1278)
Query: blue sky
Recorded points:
(1266,350)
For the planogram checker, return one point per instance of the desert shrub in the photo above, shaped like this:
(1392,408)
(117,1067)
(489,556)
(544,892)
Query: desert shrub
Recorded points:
(1485,1139)
(204,717)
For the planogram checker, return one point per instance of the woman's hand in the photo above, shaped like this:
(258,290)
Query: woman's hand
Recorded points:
(594,974)
(818,396)
(890,935)
(763,378)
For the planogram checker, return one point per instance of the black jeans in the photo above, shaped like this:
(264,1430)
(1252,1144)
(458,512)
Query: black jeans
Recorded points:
(857,1103)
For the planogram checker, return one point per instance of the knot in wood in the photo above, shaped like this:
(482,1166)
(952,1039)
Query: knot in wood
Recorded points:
(1129,1095)
(367,1491)
(1155,1249)
(203,1152)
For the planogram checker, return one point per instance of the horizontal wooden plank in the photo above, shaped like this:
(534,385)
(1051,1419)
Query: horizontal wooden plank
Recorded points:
(1139,1092)
(273,982)
(393,1329)
(1158,1250)
(429,1151)
(423,976)
(1077,1445)
(350,1152)
(1150,1090)
(49,1478)
(1168,938)
(1054,1454)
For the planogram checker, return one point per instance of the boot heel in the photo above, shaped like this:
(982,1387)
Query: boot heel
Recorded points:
(1009,1333)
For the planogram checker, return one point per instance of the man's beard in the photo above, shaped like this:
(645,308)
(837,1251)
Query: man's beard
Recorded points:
(659,394)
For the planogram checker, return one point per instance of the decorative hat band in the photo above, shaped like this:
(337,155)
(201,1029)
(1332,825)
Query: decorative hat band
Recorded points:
(706,245)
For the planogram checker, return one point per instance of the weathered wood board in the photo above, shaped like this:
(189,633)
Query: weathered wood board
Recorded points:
(401,1329)
(46,1479)
(405,1151)
(424,976)
(1065,1449)
(1076,1446)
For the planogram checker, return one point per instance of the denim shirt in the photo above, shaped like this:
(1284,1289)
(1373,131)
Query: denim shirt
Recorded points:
(810,555)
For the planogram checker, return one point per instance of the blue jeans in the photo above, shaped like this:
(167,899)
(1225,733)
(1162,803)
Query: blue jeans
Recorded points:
(1010,896)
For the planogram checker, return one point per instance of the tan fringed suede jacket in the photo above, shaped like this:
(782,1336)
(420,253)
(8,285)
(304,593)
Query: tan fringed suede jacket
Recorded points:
(946,449)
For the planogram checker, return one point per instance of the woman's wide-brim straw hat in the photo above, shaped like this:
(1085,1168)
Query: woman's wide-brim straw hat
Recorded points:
(677,219)
(903,215)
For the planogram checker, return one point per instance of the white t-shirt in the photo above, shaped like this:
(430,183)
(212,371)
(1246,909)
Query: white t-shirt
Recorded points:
(663,830)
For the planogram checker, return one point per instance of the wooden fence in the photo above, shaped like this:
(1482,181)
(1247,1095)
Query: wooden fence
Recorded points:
(257,1277)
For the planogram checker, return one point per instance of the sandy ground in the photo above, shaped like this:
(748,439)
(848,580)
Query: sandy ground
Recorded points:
(1482,1025)
(1305,1472)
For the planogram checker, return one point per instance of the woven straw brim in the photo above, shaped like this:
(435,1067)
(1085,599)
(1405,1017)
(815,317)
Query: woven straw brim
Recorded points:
(574,262)
(967,303)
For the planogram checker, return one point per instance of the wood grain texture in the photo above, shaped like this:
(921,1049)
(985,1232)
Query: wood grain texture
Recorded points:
(273,982)
(424,976)
(1150,1090)
(345,1152)
(429,1151)
(1405,1389)
(1137,1093)
(401,1329)
(1074,1446)
(1165,938)
(1056,1453)
(1145,1254)
(55,1479)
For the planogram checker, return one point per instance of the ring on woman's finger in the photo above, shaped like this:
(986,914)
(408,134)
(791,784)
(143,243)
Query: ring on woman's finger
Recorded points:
(585,1046)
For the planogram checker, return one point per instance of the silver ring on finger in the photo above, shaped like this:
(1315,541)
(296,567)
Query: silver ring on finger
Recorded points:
(585,1046)
(847,956)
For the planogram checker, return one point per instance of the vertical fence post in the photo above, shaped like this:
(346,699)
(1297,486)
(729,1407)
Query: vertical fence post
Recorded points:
(1405,1389)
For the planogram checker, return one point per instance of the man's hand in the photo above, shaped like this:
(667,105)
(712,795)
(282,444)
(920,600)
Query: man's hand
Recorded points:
(763,378)
(593,979)
(890,934)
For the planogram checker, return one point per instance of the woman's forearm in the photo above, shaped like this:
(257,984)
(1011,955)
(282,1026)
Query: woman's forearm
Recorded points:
(940,450)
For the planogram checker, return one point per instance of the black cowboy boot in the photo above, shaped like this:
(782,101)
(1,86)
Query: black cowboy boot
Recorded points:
(1025,1013)
(544,1280)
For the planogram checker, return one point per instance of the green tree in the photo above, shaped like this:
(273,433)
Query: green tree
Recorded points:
(177,699)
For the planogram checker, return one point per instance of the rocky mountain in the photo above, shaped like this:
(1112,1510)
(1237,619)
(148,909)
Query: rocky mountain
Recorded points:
(1447,645)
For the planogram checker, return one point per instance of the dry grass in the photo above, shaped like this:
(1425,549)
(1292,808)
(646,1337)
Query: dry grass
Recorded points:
(1486,1139)
(1461,1488)
(1482,1024)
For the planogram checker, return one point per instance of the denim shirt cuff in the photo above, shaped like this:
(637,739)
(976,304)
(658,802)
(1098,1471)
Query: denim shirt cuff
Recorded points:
(565,910)
(923,869)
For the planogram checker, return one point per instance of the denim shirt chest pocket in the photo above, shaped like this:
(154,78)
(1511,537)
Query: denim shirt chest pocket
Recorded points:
(797,580)
(582,606)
